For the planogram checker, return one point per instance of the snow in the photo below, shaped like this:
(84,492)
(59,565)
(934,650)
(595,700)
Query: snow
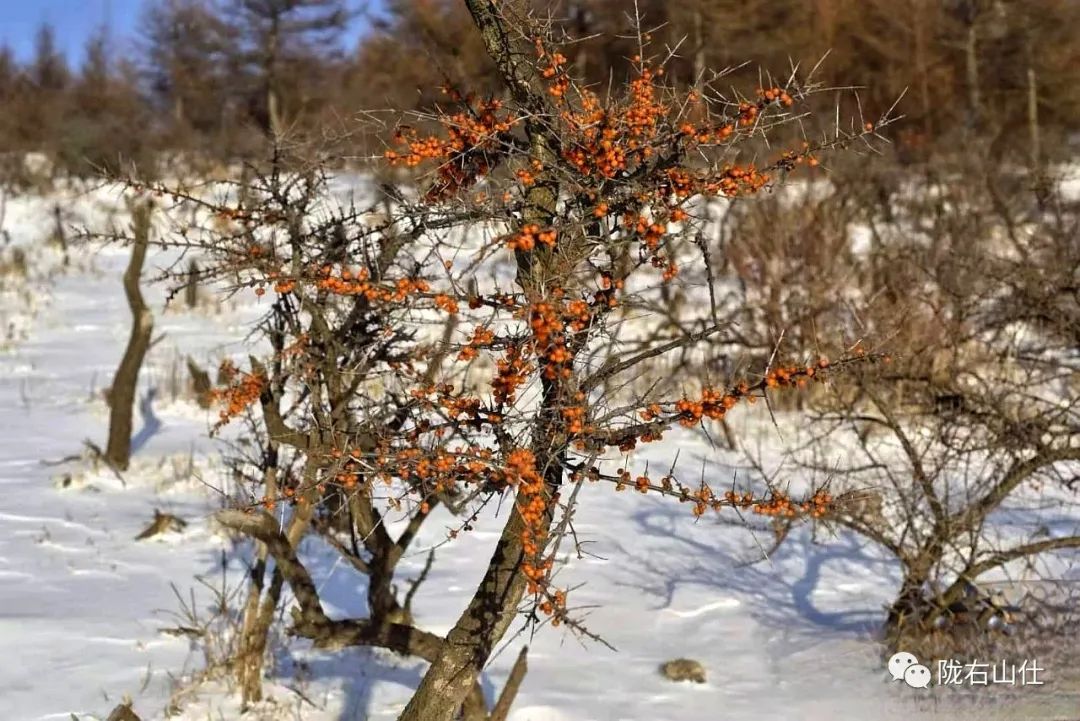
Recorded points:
(83,604)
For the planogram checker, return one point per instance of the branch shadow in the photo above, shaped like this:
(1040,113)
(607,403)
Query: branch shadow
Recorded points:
(151,424)
(782,587)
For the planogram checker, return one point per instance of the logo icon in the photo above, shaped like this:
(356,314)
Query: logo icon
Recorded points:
(904,666)
(917,676)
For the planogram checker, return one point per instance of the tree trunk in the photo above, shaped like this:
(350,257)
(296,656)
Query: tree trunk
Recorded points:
(899,615)
(971,54)
(1033,120)
(258,618)
(59,235)
(509,692)
(469,644)
(579,14)
(454,672)
(191,288)
(273,111)
(259,610)
(255,628)
(699,52)
(1034,136)
(122,392)
(178,110)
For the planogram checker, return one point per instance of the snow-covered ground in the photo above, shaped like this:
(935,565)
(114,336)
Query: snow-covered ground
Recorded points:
(83,604)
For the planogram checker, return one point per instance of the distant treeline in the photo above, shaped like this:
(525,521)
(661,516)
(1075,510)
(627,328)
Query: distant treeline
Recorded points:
(212,80)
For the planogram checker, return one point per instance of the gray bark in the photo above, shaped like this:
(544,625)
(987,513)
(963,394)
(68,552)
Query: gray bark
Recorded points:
(122,391)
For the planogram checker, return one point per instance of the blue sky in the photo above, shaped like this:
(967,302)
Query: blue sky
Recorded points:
(73,21)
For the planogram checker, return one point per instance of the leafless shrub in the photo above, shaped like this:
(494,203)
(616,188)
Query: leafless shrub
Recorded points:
(962,455)
(539,220)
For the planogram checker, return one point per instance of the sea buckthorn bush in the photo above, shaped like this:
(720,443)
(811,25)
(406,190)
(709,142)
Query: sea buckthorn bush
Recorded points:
(532,227)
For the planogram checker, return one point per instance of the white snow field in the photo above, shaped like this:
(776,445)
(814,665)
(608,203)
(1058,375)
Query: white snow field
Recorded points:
(83,604)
